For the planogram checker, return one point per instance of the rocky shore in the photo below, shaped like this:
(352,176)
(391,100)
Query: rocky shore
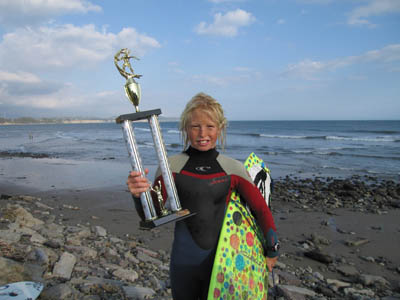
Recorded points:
(340,240)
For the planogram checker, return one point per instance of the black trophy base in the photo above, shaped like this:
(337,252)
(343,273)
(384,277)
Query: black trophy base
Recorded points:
(176,216)
(137,116)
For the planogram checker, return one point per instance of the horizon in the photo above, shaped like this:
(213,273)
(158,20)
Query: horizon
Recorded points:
(293,60)
(176,119)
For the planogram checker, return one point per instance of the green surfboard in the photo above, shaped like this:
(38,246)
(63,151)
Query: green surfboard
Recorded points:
(240,269)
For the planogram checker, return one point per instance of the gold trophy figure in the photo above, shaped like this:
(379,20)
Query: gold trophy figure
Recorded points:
(133,92)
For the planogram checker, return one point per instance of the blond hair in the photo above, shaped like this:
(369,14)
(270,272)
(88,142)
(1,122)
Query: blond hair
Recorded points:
(212,108)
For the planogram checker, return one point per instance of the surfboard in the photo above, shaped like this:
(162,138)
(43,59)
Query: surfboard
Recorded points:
(24,290)
(240,269)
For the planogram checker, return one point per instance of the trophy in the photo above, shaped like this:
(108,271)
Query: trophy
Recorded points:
(133,92)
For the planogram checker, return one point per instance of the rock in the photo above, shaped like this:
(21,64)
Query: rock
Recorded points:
(64,267)
(84,252)
(368,258)
(319,240)
(156,283)
(348,271)
(38,255)
(325,291)
(129,256)
(294,292)
(92,280)
(338,283)
(52,244)
(319,256)
(357,292)
(138,292)
(373,280)
(100,231)
(127,275)
(318,275)
(23,217)
(357,242)
(12,271)
(10,236)
(146,258)
(57,292)
(287,278)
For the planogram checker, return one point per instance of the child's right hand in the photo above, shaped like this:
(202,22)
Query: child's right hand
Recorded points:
(137,184)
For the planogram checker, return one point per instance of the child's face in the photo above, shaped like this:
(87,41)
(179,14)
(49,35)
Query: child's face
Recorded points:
(202,131)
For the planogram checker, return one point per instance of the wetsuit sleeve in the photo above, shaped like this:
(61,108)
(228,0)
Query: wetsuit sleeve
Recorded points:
(255,200)
(138,207)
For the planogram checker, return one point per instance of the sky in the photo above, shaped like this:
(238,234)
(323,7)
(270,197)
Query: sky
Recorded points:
(261,59)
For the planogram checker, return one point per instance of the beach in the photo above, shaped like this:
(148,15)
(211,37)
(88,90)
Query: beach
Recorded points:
(331,230)
(335,203)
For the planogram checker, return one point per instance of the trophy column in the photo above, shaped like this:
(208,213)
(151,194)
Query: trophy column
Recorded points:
(136,162)
(133,92)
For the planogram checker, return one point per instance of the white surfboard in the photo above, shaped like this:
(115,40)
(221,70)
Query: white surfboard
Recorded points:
(24,290)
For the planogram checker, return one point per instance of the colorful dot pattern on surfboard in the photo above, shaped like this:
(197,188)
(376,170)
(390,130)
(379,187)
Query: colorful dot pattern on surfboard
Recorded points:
(240,270)
(254,160)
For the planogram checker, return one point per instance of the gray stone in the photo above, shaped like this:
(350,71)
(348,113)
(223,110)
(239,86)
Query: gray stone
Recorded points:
(127,275)
(57,292)
(100,231)
(348,271)
(138,292)
(298,290)
(368,280)
(12,271)
(293,292)
(353,291)
(92,280)
(64,267)
(39,255)
(319,256)
(338,283)
(52,231)
(23,217)
(156,283)
(357,242)
(148,259)
(83,251)
(318,275)
(10,236)
(115,240)
(129,256)
(287,278)
(320,240)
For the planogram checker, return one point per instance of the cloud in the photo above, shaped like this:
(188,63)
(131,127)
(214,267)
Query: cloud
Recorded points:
(30,12)
(14,85)
(18,77)
(373,8)
(308,69)
(227,24)
(67,46)
(27,89)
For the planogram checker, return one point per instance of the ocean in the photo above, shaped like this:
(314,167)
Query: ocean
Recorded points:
(290,148)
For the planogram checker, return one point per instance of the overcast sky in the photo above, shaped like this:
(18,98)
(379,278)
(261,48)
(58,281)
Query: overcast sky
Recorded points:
(262,59)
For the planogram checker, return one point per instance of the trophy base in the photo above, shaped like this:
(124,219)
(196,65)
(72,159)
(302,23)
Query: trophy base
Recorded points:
(176,216)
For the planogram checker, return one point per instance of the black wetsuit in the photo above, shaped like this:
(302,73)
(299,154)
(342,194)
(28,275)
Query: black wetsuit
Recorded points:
(204,181)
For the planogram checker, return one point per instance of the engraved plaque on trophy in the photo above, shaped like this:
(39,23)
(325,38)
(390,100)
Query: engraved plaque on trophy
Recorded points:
(133,92)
